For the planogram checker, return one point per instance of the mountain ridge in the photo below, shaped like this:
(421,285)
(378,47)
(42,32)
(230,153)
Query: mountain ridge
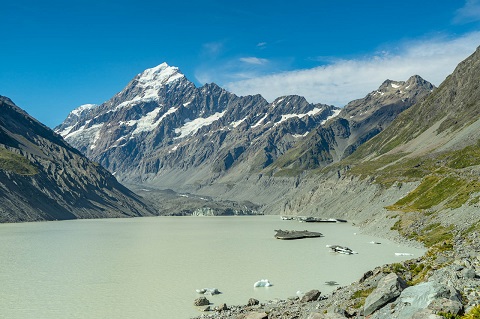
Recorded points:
(44,178)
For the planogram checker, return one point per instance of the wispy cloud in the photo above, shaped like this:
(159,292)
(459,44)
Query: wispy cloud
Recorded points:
(262,45)
(470,12)
(212,49)
(254,60)
(342,81)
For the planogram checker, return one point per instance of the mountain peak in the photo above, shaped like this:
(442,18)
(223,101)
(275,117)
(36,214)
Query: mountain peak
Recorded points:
(160,75)
(82,108)
(418,81)
(402,87)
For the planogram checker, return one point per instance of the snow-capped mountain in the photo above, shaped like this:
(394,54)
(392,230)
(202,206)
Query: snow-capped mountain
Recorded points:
(162,129)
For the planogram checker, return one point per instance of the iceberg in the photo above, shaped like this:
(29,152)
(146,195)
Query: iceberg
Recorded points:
(403,254)
(208,291)
(262,283)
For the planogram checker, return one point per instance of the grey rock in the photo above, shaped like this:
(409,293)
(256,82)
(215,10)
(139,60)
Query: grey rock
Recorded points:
(201,301)
(416,298)
(444,305)
(426,314)
(221,307)
(205,308)
(255,315)
(468,273)
(312,295)
(327,315)
(252,302)
(387,290)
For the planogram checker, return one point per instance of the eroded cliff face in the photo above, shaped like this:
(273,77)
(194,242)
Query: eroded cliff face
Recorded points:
(43,178)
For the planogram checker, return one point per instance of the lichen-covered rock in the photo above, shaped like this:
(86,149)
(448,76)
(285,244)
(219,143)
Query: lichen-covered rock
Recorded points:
(387,290)
(312,295)
(252,302)
(416,298)
(444,305)
(221,307)
(255,315)
(201,301)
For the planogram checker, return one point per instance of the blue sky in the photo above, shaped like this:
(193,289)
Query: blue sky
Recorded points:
(57,55)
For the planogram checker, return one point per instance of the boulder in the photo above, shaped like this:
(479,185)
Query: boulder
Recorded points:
(389,288)
(415,300)
(426,314)
(252,302)
(205,308)
(221,307)
(469,273)
(318,315)
(445,305)
(255,315)
(312,295)
(201,301)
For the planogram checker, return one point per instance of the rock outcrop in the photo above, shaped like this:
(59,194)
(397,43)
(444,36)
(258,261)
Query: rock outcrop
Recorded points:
(388,289)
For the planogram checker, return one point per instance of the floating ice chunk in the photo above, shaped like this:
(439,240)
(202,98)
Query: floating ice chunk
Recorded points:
(208,291)
(403,254)
(262,283)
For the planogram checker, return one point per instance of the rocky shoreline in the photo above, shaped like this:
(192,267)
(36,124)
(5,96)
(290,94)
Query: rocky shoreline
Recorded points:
(444,283)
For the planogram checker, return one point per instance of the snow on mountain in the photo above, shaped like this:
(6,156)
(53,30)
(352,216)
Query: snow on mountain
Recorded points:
(335,114)
(289,116)
(82,108)
(146,85)
(191,127)
(159,75)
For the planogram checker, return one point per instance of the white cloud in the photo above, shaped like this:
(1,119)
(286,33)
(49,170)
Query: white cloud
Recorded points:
(470,12)
(212,49)
(342,81)
(254,60)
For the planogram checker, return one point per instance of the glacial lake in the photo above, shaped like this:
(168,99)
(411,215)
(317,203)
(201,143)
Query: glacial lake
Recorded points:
(150,267)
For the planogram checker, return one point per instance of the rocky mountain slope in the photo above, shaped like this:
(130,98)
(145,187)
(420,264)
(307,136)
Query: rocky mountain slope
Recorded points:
(43,178)
(358,122)
(424,165)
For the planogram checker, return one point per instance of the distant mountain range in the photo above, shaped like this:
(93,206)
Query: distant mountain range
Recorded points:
(161,130)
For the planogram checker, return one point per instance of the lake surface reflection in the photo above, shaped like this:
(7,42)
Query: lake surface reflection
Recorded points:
(151,267)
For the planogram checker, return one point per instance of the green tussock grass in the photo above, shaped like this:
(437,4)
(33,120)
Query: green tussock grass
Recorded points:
(453,191)
(12,162)
(472,314)
(361,295)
